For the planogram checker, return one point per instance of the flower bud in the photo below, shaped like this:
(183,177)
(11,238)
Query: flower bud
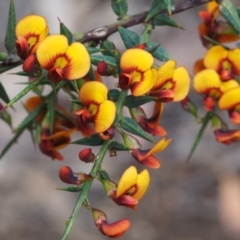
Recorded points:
(112,230)
(86,155)
(104,69)
(110,187)
(31,66)
(66,175)
(130,141)
(108,134)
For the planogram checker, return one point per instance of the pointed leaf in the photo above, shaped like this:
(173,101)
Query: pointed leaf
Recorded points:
(164,20)
(103,175)
(230,14)
(205,122)
(119,7)
(107,48)
(95,59)
(92,50)
(71,189)
(113,94)
(51,113)
(6,117)
(132,102)
(156,7)
(130,38)
(158,52)
(30,86)
(168,4)
(131,126)
(66,32)
(10,38)
(119,146)
(3,94)
(4,68)
(93,140)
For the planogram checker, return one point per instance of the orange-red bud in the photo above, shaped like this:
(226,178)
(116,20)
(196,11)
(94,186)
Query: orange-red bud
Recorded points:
(108,134)
(86,155)
(104,69)
(31,66)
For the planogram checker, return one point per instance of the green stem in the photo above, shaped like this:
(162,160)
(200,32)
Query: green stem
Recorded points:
(86,187)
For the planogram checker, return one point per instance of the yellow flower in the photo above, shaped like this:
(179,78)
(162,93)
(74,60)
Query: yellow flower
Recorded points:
(132,187)
(99,110)
(208,83)
(137,73)
(230,101)
(172,83)
(223,61)
(61,60)
(30,31)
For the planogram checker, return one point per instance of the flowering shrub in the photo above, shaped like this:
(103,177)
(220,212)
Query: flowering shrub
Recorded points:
(77,65)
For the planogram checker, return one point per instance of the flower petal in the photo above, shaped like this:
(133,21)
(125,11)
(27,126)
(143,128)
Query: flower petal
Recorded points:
(234,58)
(227,85)
(214,56)
(32,25)
(145,84)
(143,181)
(51,48)
(229,99)
(206,80)
(227,136)
(127,180)
(115,229)
(181,85)
(159,146)
(165,73)
(105,116)
(136,59)
(93,92)
(213,9)
(33,102)
(198,66)
(79,61)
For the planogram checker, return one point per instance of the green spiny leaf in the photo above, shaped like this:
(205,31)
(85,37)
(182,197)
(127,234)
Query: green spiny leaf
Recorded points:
(3,94)
(93,140)
(119,146)
(95,59)
(66,32)
(131,126)
(164,20)
(10,38)
(168,4)
(156,7)
(120,7)
(230,14)
(113,94)
(132,102)
(158,52)
(71,189)
(130,38)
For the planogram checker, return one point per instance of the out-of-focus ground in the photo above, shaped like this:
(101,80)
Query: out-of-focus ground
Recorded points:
(197,201)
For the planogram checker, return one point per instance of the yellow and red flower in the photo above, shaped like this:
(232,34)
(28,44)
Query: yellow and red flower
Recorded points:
(223,61)
(172,83)
(208,83)
(98,109)
(150,125)
(227,136)
(230,101)
(146,157)
(137,73)
(131,187)
(216,30)
(63,61)
(112,230)
(30,31)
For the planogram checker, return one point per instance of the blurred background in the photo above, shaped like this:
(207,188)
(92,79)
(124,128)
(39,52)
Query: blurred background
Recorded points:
(195,201)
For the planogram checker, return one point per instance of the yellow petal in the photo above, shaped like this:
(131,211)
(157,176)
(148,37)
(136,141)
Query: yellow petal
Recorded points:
(227,85)
(128,180)
(213,9)
(143,181)
(165,73)
(105,116)
(214,57)
(198,66)
(159,146)
(206,80)
(181,81)
(146,82)
(234,57)
(50,49)
(32,25)
(136,59)
(79,63)
(93,92)
(229,99)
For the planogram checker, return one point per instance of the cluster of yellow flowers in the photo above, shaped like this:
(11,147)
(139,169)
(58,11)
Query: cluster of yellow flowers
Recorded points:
(60,60)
